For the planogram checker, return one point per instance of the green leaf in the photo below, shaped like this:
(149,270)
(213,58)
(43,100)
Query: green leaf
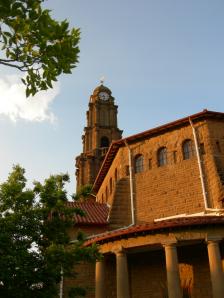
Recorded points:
(37,42)
(28,92)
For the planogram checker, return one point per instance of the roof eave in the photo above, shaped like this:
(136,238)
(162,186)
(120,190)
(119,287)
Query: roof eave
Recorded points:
(137,230)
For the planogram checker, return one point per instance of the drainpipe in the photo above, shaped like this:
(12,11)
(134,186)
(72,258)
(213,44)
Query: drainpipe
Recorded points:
(199,165)
(131,183)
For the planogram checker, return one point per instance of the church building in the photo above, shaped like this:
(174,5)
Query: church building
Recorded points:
(158,215)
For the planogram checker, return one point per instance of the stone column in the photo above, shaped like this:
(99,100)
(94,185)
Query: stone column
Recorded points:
(216,272)
(222,265)
(122,275)
(100,279)
(172,271)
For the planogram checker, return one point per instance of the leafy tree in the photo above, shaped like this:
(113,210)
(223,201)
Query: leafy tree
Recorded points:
(83,192)
(34,245)
(35,43)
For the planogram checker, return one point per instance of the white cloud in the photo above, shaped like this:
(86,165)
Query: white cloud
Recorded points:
(15,105)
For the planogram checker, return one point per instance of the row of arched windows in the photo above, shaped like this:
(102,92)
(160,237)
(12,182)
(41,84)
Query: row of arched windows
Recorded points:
(111,183)
(162,156)
(188,152)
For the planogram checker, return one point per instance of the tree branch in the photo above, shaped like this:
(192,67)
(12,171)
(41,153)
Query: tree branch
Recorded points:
(8,60)
(12,65)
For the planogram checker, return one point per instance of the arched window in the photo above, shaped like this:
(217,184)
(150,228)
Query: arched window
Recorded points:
(139,163)
(188,149)
(162,157)
(104,142)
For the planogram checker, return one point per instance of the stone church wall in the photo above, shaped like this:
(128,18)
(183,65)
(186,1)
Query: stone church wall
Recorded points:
(175,188)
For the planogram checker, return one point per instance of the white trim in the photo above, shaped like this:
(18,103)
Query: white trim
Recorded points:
(131,183)
(199,165)
(207,212)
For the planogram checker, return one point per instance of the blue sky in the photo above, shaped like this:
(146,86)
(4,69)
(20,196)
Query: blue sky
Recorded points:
(162,59)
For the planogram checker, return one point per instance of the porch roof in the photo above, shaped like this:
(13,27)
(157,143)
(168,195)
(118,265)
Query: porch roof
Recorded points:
(154,227)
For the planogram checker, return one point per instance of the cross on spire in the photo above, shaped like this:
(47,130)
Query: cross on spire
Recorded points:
(102,79)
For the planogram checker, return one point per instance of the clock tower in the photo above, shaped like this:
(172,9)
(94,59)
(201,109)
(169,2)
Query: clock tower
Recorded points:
(100,131)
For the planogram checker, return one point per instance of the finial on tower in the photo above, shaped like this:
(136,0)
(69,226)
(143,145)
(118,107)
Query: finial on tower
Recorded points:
(102,79)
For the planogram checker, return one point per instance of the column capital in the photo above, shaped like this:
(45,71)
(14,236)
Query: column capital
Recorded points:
(171,243)
(120,250)
(213,239)
(100,260)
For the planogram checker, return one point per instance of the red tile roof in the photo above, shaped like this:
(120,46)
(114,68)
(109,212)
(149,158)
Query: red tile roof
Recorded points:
(114,147)
(95,213)
(171,224)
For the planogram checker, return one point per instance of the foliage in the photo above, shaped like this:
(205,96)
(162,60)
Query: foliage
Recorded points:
(35,43)
(77,292)
(34,244)
(83,192)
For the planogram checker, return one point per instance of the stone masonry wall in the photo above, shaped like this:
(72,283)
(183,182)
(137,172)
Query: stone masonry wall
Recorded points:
(175,188)
(216,163)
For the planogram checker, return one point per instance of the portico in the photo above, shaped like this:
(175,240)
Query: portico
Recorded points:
(165,255)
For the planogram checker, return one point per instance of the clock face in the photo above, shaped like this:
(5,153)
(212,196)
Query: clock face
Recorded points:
(104,96)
